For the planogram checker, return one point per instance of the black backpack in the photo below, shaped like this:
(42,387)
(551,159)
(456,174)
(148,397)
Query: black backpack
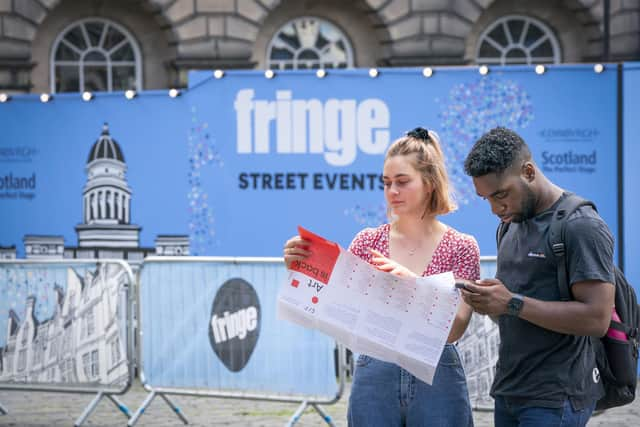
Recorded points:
(617,360)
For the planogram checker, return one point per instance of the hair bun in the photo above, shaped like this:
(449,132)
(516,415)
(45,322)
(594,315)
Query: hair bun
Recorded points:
(419,133)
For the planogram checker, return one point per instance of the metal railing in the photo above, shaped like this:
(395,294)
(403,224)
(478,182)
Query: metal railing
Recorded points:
(225,268)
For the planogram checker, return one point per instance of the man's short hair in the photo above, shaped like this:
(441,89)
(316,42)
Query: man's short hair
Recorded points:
(495,152)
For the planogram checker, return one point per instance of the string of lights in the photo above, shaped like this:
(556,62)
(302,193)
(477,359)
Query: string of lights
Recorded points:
(321,73)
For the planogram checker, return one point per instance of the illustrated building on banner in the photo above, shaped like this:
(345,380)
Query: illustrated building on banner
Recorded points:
(106,230)
(479,350)
(8,252)
(83,341)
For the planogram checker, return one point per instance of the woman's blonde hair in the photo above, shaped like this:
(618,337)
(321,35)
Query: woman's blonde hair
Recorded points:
(423,149)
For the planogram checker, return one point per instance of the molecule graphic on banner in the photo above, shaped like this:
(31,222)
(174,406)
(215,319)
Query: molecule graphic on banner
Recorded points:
(471,110)
(368,216)
(202,152)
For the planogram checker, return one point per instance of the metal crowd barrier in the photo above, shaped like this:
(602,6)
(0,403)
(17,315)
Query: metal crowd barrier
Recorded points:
(187,309)
(479,349)
(208,327)
(65,327)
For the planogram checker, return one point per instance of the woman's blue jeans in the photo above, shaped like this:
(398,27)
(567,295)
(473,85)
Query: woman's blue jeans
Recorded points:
(383,394)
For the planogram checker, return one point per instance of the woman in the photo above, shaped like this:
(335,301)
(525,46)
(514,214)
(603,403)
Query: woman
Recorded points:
(414,243)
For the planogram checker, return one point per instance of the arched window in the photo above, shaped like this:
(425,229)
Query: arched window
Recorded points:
(95,54)
(516,39)
(309,42)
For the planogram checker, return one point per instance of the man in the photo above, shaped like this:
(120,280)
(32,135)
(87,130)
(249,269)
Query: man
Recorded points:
(546,373)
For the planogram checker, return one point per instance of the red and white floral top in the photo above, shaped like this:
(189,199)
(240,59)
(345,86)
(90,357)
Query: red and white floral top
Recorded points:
(455,252)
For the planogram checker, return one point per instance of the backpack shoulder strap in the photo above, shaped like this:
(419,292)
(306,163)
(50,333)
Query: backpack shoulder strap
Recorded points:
(500,232)
(565,209)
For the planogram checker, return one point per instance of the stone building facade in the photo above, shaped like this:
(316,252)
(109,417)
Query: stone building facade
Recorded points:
(108,45)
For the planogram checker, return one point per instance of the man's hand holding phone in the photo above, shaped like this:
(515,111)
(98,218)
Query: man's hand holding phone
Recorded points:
(486,296)
(462,285)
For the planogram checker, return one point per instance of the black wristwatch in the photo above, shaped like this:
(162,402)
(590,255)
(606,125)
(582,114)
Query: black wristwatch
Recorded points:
(514,306)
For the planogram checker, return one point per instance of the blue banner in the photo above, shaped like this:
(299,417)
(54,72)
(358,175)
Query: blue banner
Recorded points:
(44,155)
(631,173)
(236,163)
(213,325)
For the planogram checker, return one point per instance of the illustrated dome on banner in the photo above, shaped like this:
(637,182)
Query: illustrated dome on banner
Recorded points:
(106,229)
(107,199)
(105,148)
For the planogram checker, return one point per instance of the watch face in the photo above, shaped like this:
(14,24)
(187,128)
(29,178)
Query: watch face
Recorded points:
(515,305)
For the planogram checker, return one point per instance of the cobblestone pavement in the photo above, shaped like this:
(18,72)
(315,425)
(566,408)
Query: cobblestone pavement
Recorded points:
(39,409)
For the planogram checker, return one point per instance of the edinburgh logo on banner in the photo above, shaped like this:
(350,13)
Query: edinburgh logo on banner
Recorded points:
(234,327)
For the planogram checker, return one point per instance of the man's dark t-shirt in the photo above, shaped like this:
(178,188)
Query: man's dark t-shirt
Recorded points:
(536,366)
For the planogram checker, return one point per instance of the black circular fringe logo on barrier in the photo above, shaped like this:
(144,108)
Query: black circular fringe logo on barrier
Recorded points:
(234,326)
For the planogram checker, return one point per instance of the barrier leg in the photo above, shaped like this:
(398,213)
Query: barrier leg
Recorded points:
(325,416)
(3,410)
(123,408)
(94,403)
(296,415)
(136,416)
(141,409)
(175,408)
(89,409)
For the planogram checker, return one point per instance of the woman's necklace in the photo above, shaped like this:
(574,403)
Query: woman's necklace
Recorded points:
(413,251)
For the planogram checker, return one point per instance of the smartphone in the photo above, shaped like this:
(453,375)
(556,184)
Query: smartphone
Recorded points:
(462,285)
